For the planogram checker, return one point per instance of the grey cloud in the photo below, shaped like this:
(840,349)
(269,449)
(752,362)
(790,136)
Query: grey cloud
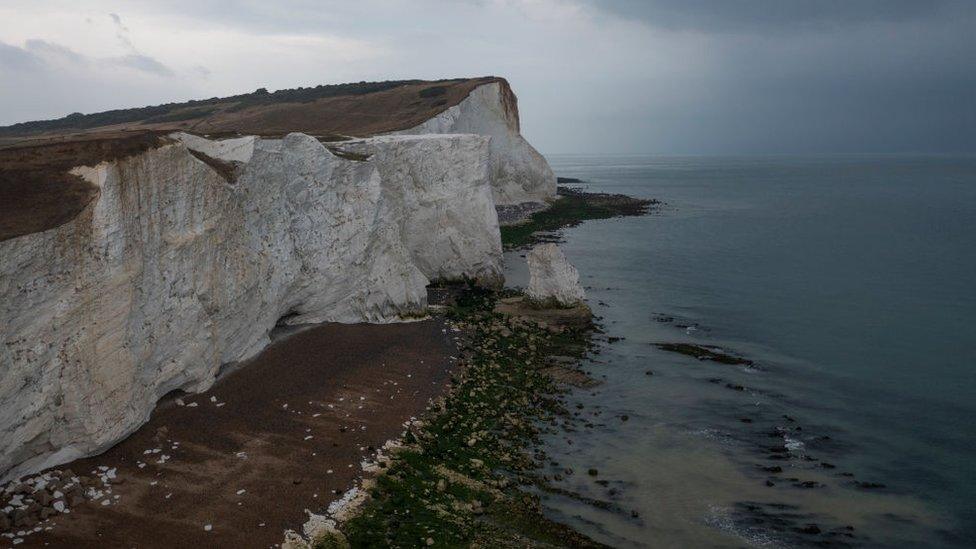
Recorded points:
(51,50)
(142,63)
(13,58)
(42,55)
(772,15)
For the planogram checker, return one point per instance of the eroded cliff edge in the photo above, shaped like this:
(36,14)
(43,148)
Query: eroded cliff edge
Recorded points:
(193,250)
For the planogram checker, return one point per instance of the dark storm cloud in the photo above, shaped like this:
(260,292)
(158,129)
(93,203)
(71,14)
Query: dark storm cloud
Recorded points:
(817,76)
(772,15)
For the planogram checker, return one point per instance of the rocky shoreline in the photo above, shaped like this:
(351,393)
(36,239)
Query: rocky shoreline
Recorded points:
(458,476)
(471,471)
(468,472)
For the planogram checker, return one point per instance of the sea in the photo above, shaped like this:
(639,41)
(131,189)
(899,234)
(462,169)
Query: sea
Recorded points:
(849,282)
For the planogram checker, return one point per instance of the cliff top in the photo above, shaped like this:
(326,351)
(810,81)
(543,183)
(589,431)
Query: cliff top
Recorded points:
(359,109)
(37,192)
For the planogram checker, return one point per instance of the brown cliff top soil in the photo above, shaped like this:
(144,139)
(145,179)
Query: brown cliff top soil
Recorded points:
(37,193)
(289,428)
(37,190)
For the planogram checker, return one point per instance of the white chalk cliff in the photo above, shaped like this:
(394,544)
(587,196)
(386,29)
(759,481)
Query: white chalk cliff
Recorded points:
(518,172)
(174,270)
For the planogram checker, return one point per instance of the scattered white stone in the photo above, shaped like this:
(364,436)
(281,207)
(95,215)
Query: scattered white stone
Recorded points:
(208,527)
(59,506)
(241,491)
(191,405)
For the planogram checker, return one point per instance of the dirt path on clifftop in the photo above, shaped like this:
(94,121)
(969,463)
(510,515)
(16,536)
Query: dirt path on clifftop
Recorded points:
(278,436)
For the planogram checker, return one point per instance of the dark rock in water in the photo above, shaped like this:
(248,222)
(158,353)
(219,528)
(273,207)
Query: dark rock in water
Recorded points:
(735,387)
(868,485)
(808,484)
(663,318)
(773,469)
(634,514)
(826,465)
(592,472)
(568,180)
(613,339)
(704,353)
(745,420)
(624,418)
(770,483)
(648,373)
(812,529)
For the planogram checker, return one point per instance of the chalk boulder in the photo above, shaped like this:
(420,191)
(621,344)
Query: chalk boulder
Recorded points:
(553,281)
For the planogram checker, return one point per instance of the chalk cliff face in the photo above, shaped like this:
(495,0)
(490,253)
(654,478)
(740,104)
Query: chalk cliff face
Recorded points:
(180,266)
(518,172)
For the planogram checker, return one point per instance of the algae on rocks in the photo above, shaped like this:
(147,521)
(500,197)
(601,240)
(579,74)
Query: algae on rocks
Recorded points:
(571,208)
(455,481)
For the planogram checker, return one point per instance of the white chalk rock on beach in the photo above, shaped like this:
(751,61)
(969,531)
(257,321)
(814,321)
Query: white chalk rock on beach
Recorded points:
(552,278)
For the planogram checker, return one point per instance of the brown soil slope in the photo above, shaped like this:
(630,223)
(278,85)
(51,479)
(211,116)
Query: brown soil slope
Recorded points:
(37,193)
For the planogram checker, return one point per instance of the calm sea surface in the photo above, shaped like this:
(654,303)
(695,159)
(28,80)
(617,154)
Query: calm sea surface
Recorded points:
(850,281)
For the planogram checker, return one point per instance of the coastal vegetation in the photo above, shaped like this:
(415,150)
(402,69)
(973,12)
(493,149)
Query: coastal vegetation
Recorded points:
(572,207)
(458,479)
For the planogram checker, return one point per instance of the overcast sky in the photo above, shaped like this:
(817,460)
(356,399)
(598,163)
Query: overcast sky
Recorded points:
(619,76)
